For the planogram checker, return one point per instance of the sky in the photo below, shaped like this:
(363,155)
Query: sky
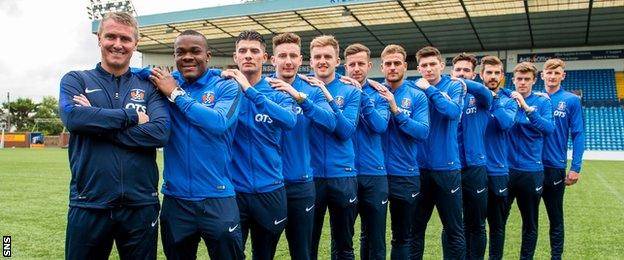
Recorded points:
(41,41)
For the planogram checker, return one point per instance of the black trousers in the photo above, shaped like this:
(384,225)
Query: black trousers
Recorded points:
(373,208)
(554,188)
(443,190)
(184,223)
(497,213)
(265,216)
(404,192)
(301,197)
(527,188)
(474,194)
(339,195)
(90,232)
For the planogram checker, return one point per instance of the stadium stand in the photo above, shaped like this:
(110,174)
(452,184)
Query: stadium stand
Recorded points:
(604,115)
(595,85)
(604,128)
(619,82)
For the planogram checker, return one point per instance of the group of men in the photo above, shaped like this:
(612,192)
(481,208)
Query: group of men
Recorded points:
(251,156)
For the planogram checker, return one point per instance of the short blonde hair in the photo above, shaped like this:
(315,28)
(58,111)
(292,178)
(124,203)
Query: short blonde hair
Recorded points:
(325,40)
(356,48)
(122,18)
(552,64)
(392,49)
(525,67)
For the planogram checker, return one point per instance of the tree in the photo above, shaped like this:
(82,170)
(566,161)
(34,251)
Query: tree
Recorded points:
(48,109)
(20,112)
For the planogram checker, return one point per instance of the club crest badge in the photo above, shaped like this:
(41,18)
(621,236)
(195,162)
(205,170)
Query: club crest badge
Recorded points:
(472,101)
(137,95)
(340,101)
(208,98)
(406,103)
(561,106)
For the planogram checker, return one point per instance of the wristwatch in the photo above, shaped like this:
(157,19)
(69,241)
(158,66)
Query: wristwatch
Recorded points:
(302,97)
(176,92)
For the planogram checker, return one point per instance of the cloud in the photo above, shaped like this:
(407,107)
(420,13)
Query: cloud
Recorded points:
(41,44)
(44,47)
(10,8)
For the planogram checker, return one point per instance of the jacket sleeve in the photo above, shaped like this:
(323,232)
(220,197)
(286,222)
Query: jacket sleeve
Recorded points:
(505,114)
(89,120)
(218,118)
(375,113)
(480,92)
(142,73)
(451,108)
(154,133)
(282,113)
(417,125)
(346,120)
(505,91)
(578,135)
(316,108)
(542,117)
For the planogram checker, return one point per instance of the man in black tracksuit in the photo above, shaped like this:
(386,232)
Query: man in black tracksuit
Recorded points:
(116,122)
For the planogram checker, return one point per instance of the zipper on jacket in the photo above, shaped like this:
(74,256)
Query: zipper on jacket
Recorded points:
(251,166)
(121,173)
(117,79)
(188,153)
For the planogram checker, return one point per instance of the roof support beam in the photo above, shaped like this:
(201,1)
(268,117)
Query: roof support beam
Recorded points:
(219,28)
(589,16)
(171,46)
(365,27)
(172,29)
(471,24)
(308,22)
(159,42)
(526,11)
(262,25)
(415,23)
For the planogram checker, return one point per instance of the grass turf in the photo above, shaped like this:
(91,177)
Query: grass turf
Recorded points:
(34,197)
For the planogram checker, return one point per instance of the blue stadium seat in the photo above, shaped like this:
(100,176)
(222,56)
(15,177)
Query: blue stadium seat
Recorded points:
(604,128)
(598,84)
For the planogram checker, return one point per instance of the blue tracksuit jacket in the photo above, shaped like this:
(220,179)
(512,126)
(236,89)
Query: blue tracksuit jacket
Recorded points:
(475,116)
(332,152)
(526,137)
(373,121)
(568,116)
(440,151)
(199,151)
(112,158)
(313,112)
(265,113)
(405,130)
(501,118)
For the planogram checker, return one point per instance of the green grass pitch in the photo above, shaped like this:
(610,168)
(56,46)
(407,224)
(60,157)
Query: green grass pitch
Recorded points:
(34,198)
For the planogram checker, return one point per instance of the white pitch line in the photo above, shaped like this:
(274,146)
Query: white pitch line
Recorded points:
(617,194)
